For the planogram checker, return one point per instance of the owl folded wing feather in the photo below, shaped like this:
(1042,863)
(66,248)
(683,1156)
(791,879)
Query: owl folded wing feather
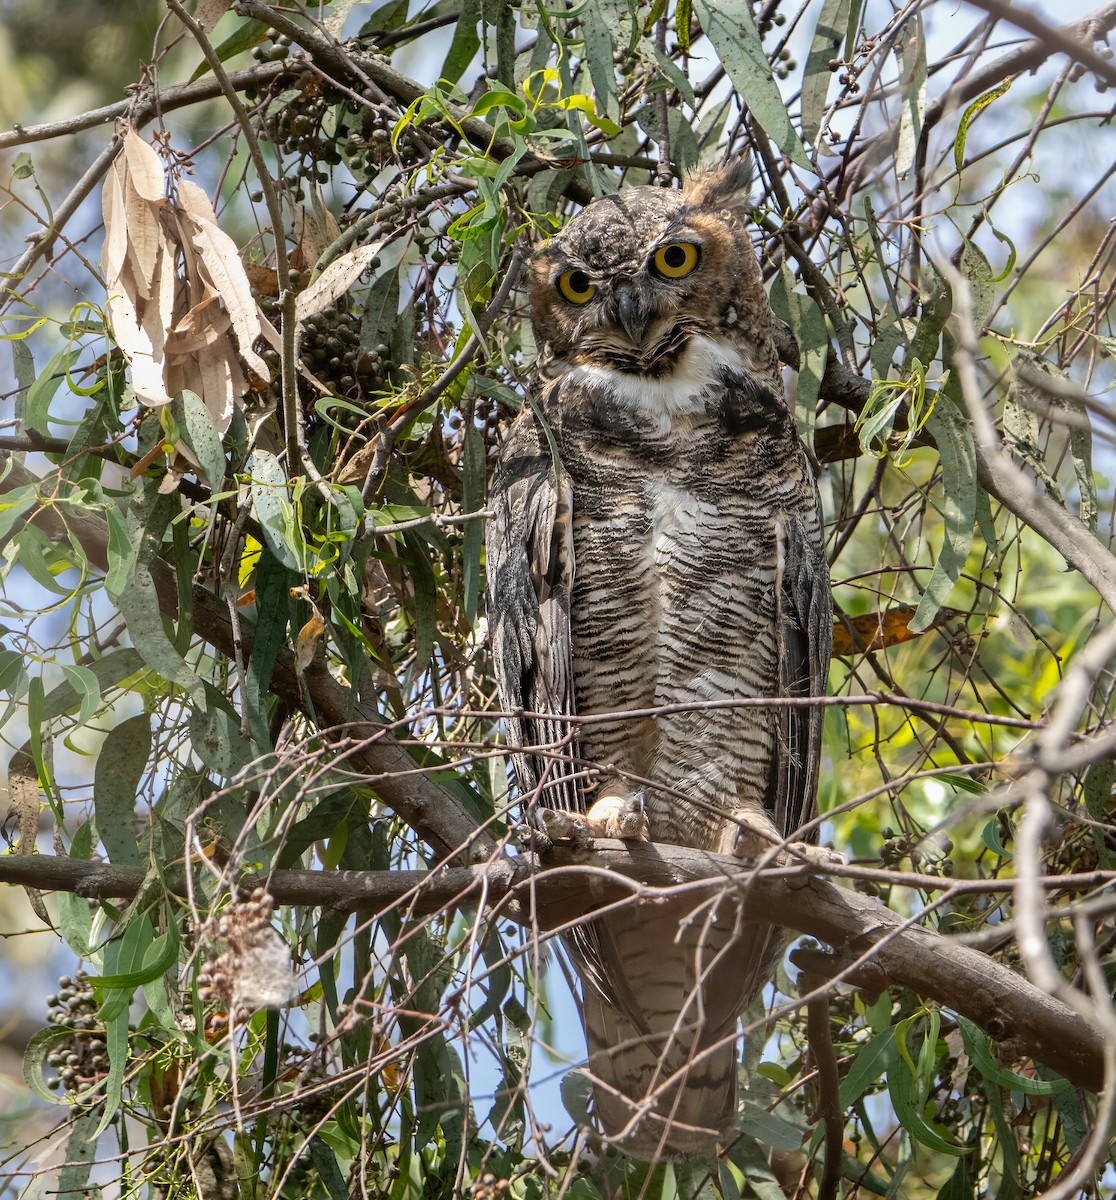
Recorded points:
(805,606)
(530,575)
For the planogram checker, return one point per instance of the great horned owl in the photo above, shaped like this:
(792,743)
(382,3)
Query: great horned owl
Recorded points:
(657,549)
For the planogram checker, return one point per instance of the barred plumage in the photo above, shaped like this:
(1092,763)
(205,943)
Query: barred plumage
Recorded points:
(657,542)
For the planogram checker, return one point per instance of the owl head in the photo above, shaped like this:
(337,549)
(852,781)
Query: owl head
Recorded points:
(629,280)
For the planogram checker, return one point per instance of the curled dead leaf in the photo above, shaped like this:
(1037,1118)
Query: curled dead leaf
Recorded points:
(878,630)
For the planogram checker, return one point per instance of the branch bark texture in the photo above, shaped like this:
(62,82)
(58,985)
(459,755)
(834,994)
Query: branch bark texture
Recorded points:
(871,944)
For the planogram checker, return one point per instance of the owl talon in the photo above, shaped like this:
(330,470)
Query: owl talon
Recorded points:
(747,842)
(620,817)
(559,825)
(818,857)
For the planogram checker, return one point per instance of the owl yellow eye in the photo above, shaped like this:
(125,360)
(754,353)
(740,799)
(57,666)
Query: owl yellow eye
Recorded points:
(676,260)
(576,287)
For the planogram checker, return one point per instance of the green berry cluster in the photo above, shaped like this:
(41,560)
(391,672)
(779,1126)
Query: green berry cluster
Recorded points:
(932,858)
(302,128)
(486,417)
(784,62)
(83,1058)
(330,348)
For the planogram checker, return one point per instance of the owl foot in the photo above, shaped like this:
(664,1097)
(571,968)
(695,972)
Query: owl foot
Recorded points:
(818,858)
(619,816)
(561,826)
(747,838)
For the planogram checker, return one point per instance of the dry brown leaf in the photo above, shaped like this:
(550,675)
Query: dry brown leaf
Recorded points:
(133,335)
(314,232)
(145,168)
(26,802)
(221,261)
(878,630)
(145,239)
(115,249)
(208,12)
(262,279)
(200,327)
(335,280)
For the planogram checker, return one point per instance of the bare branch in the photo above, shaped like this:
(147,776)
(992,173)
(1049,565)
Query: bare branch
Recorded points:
(871,942)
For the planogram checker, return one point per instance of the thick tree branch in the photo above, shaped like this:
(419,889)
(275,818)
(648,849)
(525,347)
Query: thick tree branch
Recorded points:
(871,944)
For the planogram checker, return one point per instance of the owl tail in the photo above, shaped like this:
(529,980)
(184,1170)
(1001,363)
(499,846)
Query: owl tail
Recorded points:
(661,1035)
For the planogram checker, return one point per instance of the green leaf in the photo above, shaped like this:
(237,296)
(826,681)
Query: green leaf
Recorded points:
(954,439)
(138,600)
(910,53)
(39,1048)
(251,33)
(465,44)
(829,33)
(14,505)
(14,682)
(977,270)
(978,1046)
(41,393)
(868,1067)
(75,922)
(199,435)
(961,1185)
(599,49)
(576,1091)
(135,958)
(970,114)
(85,683)
(473,470)
(381,301)
(121,553)
(909,1084)
(107,672)
(750,1157)
(326,1168)
(120,766)
(23,367)
(273,509)
(112,1087)
(272,582)
(81,1146)
(216,739)
(732,30)
(426,595)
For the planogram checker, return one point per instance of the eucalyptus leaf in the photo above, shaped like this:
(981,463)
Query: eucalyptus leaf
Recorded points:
(954,438)
(732,30)
(120,767)
(817,75)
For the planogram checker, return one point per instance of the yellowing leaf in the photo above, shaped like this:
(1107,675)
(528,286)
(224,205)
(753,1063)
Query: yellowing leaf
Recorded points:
(307,644)
(878,630)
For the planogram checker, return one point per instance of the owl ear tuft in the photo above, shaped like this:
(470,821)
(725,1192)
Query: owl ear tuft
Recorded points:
(727,185)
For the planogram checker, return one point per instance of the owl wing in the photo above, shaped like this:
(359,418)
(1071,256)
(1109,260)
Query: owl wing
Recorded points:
(530,565)
(805,617)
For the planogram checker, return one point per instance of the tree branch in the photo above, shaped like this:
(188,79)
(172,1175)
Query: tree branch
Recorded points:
(435,814)
(871,943)
(1023,497)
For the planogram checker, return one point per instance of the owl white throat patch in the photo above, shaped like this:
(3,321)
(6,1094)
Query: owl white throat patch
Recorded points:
(701,367)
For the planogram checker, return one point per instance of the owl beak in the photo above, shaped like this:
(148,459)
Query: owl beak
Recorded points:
(633,313)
